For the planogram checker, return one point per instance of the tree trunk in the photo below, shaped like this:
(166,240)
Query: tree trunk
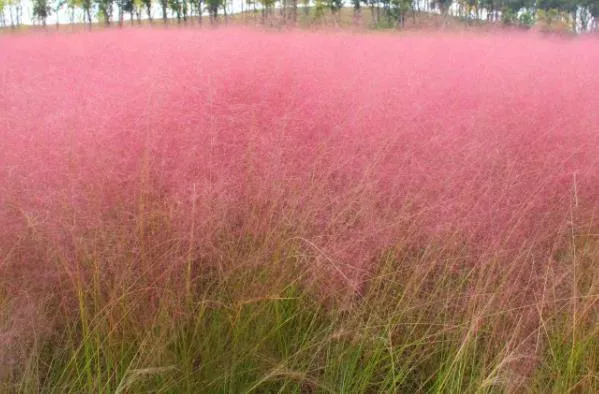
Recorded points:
(163,5)
(357,15)
(19,14)
(584,21)
(57,22)
(373,14)
(294,11)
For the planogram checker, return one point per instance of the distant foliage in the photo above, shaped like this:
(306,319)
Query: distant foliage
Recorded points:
(575,15)
(41,10)
(526,19)
(105,10)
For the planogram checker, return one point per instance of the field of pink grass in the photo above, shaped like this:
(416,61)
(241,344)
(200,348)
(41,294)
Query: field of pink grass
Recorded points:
(340,146)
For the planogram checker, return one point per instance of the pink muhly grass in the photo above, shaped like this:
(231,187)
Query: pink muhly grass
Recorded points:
(139,151)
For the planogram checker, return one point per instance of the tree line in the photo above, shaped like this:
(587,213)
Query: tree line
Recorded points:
(577,15)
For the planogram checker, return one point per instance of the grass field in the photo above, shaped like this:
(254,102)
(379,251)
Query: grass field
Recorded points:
(233,210)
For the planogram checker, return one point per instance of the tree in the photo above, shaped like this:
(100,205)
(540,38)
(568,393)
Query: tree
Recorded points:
(510,9)
(56,10)
(553,10)
(319,7)
(133,7)
(138,6)
(197,6)
(571,7)
(41,10)
(2,18)
(399,10)
(288,10)
(180,8)
(86,5)
(491,7)
(122,7)
(587,11)
(184,10)
(267,7)
(357,6)
(593,7)
(105,10)
(213,7)
(526,19)
(15,10)
(175,6)
(444,6)
(335,6)
(306,7)
(473,7)
(148,6)
(164,8)
(374,5)
(71,6)
(294,10)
